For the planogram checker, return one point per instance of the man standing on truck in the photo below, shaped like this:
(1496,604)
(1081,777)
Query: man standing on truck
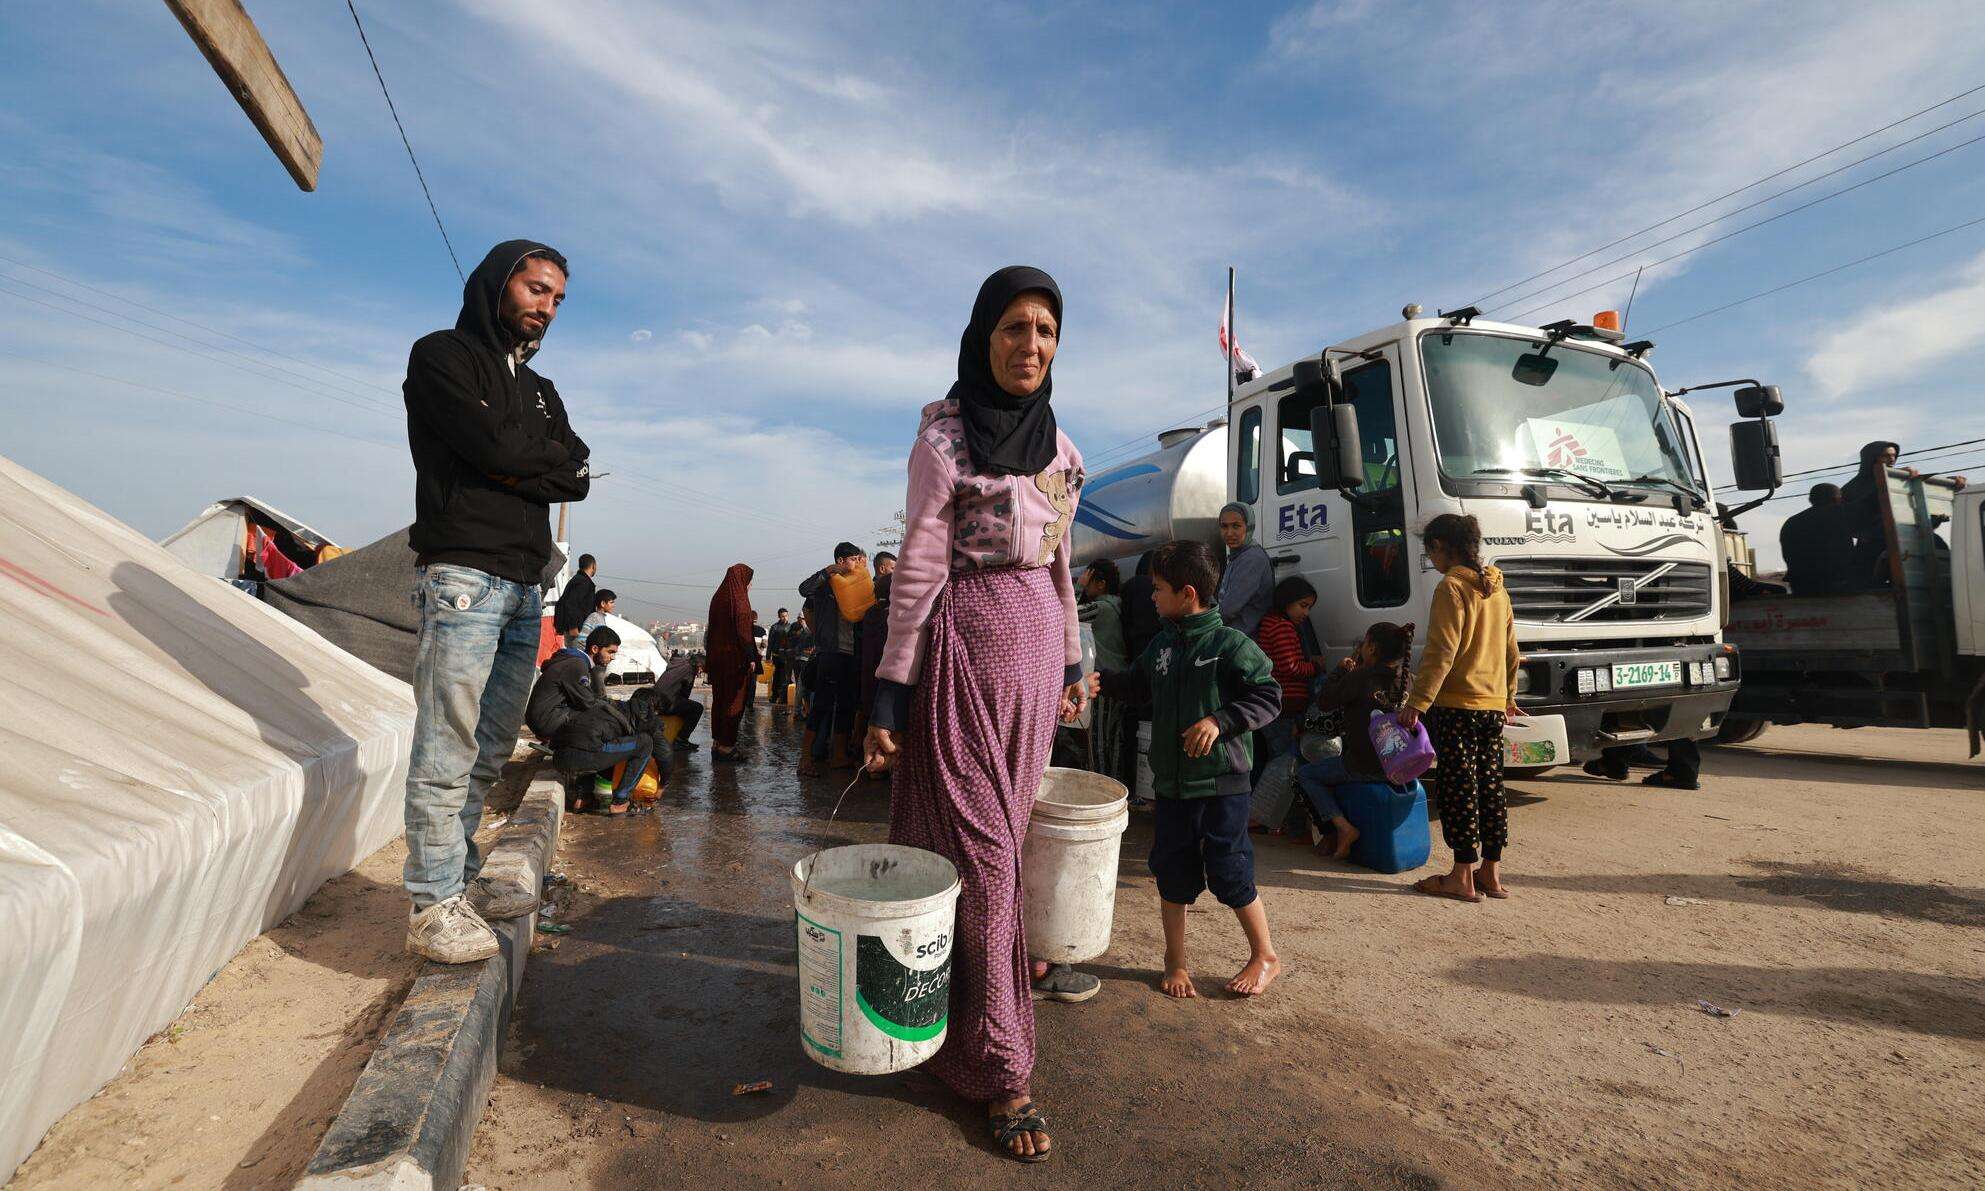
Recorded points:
(492,453)
(1819,546)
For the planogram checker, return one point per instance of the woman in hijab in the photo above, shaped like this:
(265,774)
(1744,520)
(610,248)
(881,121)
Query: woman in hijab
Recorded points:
(982,657)
(731,660)
(1247,586)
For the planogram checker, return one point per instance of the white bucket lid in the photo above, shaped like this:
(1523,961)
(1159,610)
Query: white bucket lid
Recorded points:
(1078,796)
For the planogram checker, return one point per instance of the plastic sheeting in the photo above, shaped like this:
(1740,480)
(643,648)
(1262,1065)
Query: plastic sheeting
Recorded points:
(180,768)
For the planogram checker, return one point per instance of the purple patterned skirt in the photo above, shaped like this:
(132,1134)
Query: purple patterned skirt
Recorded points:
(977,745)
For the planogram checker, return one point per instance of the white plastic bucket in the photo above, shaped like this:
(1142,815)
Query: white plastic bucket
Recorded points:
(1068,868)
(873,926)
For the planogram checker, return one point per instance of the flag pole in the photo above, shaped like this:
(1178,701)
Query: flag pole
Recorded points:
(1230,334)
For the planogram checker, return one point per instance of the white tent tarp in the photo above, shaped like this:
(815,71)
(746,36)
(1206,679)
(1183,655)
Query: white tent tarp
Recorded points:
(216,541)
(180,768)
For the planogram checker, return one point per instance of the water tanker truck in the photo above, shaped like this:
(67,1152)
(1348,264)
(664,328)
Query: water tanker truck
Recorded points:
(1586,476)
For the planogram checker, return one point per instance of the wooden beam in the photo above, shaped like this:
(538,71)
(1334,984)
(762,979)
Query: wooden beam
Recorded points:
(234,46)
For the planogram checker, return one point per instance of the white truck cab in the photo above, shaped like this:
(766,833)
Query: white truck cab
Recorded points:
(1586,477)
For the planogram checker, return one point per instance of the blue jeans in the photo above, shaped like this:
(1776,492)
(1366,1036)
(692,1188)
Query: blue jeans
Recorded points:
(635,751)
(473,671)
(1320,780)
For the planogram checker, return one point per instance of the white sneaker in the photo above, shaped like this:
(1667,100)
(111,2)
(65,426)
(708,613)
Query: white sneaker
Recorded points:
(451,932)
(498,900)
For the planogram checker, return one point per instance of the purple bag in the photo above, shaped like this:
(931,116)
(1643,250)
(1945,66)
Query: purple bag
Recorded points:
(1404,754)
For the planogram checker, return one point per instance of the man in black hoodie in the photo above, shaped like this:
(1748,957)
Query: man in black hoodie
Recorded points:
(492,453)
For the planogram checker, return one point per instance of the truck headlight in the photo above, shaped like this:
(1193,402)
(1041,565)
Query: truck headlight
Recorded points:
(1523,680)
(1603,679)
(1585,682)
(1723,667)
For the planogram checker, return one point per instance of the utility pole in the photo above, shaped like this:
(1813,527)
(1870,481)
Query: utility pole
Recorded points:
(235,49)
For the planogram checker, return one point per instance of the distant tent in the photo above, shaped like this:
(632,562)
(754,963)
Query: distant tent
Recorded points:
(361,602)
(230,537)
(180,768)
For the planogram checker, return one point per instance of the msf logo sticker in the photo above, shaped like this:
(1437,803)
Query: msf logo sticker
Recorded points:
(1306,520)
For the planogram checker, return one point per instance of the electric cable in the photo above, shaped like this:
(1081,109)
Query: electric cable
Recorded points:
(1730,194)
(365,41)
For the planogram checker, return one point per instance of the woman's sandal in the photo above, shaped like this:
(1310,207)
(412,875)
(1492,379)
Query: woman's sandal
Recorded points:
(1499,893)
(1006,1126)
(1432,887)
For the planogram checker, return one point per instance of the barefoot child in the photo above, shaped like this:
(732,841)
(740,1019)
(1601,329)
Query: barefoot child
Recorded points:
(1374,678)
(1209,688)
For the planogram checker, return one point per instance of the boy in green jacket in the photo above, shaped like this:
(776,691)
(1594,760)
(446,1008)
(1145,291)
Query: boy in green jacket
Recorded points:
(1209,688)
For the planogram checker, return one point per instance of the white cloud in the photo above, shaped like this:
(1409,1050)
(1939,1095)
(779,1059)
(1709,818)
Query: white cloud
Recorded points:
(641,336)
(1893,343)
(725,91)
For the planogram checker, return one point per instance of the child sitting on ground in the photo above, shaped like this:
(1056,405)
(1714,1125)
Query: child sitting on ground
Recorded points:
(1209,689)
(1375,677)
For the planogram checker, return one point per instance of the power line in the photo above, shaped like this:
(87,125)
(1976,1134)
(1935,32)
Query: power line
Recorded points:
(240,409)
(1918,454)
(1822,273)
(1729,194)
(260,347)
(185,343)
(1727,235)
(1955,462)
(363,40)
(252,371)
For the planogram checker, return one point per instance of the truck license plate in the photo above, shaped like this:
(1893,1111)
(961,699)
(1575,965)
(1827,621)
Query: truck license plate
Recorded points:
(1633,674)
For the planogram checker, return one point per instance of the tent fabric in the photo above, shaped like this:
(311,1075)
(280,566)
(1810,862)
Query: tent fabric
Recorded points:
(360,601)
(222,538)
(180,768)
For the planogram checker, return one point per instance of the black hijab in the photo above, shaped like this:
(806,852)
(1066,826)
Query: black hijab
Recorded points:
(1005,435)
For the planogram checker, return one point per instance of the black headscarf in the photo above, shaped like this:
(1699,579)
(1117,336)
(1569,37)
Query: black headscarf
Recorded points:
(482,294)
(1005,435)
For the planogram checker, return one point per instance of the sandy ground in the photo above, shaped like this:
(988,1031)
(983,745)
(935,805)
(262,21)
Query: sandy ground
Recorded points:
(1836,900)
(239,1090)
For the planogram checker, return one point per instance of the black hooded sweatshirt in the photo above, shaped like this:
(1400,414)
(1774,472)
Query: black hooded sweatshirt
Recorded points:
(492,451)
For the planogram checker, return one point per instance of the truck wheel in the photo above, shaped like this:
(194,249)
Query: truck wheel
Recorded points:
(1740,729)
(1525,772)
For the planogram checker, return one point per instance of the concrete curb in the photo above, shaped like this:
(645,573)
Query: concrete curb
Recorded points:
(410,1118)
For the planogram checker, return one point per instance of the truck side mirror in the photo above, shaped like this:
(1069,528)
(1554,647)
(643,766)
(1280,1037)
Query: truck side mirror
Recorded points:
(1754,455)
(1759,401)
(1340,457)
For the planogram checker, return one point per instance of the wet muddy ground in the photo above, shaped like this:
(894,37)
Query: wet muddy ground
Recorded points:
(1549,1038)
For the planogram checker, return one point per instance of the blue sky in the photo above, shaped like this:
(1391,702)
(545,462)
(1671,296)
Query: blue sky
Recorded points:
(778,214)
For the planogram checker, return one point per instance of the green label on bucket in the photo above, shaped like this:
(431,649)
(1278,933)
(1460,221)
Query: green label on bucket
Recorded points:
(820,985)
(903,1002)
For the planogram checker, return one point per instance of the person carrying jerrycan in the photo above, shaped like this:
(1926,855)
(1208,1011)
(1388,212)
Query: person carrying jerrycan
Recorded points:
(1466,687)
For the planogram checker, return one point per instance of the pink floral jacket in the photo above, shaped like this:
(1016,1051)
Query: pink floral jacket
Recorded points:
(957,520)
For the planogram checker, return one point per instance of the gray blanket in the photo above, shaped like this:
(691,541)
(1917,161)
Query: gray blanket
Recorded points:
(361,602)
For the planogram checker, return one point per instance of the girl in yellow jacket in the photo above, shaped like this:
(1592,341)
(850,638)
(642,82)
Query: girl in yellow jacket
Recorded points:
(1467,687)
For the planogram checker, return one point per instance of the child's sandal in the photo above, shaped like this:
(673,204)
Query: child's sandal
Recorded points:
(1008,1125)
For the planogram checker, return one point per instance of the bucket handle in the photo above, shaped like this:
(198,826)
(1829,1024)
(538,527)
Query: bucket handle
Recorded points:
(807,882)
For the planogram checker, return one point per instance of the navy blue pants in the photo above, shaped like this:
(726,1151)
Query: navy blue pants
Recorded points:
(1202,843)
(636,750)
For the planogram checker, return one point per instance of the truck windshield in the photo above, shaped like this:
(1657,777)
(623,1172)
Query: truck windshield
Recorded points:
(1503,406)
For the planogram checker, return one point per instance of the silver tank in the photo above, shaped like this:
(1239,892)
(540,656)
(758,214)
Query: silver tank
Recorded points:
(1173,493)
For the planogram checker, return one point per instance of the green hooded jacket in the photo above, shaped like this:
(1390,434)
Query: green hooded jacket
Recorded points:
(1194,668)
